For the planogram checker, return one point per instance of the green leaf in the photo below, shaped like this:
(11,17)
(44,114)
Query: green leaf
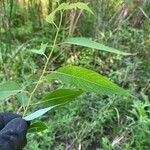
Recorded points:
(43,47)
(81,6)
(62,6)
(8,88)
(60,97)
(36,51)
(87,80)
(54,99)
(40,51)
(37,127)
(66,6)
(38,113)
(23,98)
(94,45)
(51,17)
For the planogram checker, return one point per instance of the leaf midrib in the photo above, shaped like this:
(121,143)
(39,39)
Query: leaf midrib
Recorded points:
(89,81)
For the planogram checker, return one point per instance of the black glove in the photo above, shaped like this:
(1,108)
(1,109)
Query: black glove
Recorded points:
(13,130)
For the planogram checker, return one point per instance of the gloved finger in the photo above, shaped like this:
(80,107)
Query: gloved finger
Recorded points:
(15,133)
(7,117)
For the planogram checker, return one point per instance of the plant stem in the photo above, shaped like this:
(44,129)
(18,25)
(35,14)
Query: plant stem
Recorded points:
(45,66)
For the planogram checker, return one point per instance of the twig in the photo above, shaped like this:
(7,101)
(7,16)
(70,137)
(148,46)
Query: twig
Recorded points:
(45,66)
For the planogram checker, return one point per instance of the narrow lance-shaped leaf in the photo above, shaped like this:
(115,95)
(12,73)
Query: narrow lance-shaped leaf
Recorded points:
(37,113)
(8,88)
(40,51)
(37,127)
(60,97)
(94,45)
(87,80)
(54,99)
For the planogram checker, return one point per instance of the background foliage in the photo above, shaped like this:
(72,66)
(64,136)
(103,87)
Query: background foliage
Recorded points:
(92,121)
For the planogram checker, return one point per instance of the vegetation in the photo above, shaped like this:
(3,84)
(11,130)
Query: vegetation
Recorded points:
(82,67)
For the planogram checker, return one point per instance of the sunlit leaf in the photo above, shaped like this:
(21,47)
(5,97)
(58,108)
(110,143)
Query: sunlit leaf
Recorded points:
(50,18)
(87,80)
(63,6)
(8,89)
(94,45)
(81,6)
(66,6)
(37,127)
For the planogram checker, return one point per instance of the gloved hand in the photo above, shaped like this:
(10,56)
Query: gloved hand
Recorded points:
(13,130)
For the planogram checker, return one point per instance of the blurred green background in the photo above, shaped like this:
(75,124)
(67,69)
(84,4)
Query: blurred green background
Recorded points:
(92,122)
